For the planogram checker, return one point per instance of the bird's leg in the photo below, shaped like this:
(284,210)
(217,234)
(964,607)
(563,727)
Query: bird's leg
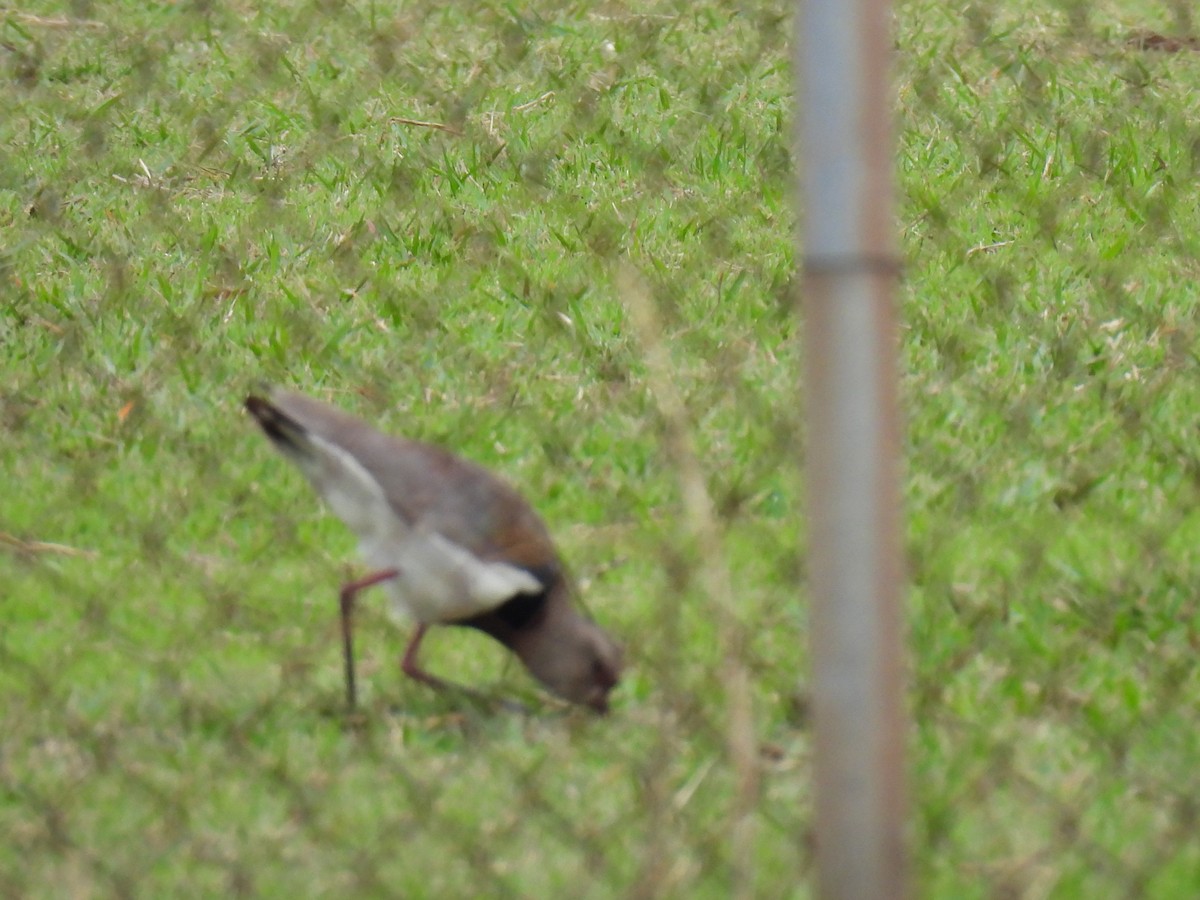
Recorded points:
(409,665)
(346,597)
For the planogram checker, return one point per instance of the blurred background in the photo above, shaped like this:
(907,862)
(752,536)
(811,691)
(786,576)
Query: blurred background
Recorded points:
(559,240)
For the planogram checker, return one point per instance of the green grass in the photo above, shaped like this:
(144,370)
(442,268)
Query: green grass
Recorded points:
(194,198)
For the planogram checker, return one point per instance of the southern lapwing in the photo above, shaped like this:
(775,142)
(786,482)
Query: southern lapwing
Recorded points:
(450,542)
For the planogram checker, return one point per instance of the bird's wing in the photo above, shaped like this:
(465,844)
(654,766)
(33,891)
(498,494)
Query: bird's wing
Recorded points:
(448,524)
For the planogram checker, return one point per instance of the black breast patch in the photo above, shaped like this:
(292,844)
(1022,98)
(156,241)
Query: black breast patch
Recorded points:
(518,612)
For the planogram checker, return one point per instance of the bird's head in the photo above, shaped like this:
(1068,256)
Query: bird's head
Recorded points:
(574,658)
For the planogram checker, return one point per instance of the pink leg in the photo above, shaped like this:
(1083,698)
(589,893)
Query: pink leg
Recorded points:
(348,593)
(409,665)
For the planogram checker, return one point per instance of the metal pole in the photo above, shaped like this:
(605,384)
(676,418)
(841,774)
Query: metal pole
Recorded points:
(856,576)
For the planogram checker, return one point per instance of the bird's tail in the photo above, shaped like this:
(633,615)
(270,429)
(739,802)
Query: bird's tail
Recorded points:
(289,436)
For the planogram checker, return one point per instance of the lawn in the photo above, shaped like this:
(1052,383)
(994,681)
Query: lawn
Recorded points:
(452,219)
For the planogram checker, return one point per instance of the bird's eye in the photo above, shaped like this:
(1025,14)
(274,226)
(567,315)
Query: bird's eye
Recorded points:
(602,674)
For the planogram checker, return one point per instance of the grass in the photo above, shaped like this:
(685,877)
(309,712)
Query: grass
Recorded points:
(198,197)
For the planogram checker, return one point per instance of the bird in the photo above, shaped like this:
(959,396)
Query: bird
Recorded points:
(449,541)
